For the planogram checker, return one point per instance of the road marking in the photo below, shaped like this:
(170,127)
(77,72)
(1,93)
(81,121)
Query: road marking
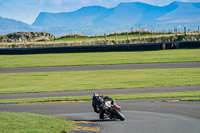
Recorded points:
(86,126)
(82,126)
(167,101)
(173,101)
(62,117)
(97,128)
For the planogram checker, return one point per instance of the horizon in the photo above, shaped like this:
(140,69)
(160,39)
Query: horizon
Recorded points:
(29,10)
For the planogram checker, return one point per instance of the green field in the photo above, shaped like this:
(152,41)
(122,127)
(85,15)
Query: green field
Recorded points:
(191,99)
(162,56)
(115,36)
(102,79)
(191,94)
(32,123)
(85,80)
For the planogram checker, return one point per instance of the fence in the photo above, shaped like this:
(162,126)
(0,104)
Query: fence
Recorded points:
(101,48)
(80,39)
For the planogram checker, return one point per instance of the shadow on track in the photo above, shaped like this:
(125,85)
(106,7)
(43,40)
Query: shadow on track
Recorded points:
(97,120)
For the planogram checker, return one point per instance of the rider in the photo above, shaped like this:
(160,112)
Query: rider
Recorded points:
(98,103)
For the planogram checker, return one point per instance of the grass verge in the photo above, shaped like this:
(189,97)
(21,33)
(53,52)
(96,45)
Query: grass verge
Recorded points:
(191,99)
(32,123)
(100,58)
(114,96)
(102,79)
(118,36)
(86,80)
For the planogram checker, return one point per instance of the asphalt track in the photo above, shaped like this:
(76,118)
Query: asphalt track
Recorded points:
(102,67)
(101,92)
(142,116)
(145,122)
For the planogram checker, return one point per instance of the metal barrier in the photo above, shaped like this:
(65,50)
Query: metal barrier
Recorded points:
(100,48)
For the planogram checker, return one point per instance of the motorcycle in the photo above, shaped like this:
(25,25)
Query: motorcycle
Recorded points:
(113,111)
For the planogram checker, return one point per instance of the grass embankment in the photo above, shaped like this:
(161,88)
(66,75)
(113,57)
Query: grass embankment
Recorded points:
(114,96)
(107,79)
(191,99)
(163,56)
(115,36)
(32,123)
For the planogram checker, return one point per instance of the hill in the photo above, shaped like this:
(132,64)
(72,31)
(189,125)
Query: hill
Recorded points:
(99,20)
(83,16)
(11,25)
(183,13)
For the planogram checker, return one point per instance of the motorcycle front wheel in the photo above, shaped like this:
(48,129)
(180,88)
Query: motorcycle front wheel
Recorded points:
(118,114)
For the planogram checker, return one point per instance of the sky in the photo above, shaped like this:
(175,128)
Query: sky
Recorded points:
(28,10)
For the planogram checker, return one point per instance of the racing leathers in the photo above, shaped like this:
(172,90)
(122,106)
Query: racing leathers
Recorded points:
(98,103)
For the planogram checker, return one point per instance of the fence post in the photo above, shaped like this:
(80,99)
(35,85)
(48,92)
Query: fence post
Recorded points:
(176,31)
(116,36)
(24,38)
(15,41)
(95,37)
(198,30)
(6,40)
(105,36)
(29,36)
(185,31)
(139,34)
(127,35)
(54,40)
(74,37)
(65,38)
(44,40)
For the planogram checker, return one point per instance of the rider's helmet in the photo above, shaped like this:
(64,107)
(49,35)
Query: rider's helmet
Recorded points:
(106,98)
(95,94)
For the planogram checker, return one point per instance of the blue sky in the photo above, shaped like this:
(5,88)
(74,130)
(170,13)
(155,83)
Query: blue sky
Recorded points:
(27,10)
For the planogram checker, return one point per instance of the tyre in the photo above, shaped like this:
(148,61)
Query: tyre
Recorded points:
(118,114)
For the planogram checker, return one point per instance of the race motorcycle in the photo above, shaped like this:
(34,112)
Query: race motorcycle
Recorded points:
(113,111)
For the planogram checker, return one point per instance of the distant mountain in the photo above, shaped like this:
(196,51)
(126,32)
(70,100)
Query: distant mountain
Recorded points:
(133,13)
(98,20)
(11,25)
(183,13)
(83,16)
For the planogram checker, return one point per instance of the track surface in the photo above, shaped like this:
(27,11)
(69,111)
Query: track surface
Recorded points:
(145,122)
(191,109)
(142,116)
(102,67)
(102,92)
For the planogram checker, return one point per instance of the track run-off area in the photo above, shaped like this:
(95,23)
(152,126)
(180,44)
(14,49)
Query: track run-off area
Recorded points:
(102,67)
(164,115)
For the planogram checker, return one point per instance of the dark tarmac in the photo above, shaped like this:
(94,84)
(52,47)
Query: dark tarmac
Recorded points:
(101,92)
(142,116)
(144,122)
(102,67)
